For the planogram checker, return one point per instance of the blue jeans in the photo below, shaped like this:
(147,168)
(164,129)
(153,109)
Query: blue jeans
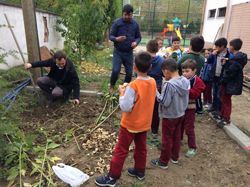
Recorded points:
(169,41)
(119,58)
(216,92)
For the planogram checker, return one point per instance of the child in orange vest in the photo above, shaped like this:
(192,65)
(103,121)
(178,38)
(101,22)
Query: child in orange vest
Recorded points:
(137,103)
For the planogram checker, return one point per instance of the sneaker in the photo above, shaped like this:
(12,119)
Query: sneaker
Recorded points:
(131,172)
(211,109)
(155,133)
(105,181)
(204,103)
(216,112)
(191,152)
(156,162)
(208,105)
(217,117)
(223,122)
(50,102)
(174,161)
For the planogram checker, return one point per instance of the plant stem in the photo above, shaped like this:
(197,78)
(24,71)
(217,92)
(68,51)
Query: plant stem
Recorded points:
(41,171)
(102,112)
(8,138)
(20,166)
(76,142)
(104,120)
(45,155)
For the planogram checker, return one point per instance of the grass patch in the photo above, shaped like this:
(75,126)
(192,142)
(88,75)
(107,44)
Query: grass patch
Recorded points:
(245,131)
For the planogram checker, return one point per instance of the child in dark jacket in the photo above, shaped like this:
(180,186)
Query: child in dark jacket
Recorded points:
(189,68)
(156,73)
(215,59)
(232,80)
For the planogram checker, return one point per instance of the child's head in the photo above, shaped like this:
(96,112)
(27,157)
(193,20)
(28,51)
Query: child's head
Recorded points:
(235,45)
(169,67)
(152,46)
(208,51)
(176,41)
(220,44)
(189,67)
(143,60)
(197,43)
(160,42)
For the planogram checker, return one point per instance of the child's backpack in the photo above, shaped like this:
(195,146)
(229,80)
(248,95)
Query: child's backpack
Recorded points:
(206,73)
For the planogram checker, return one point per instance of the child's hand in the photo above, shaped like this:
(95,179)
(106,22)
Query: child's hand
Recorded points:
(122,88)
(224,61)
(187,51)
(215,52)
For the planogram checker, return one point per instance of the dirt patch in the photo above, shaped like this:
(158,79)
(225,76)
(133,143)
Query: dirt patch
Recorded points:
(240,111)
(219,162)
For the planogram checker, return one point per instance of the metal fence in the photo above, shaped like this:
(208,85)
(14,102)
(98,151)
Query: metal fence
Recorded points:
(168,18)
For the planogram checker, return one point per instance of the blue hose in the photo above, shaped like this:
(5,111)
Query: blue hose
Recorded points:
(13,93)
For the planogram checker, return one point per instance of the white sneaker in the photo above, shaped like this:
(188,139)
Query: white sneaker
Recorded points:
(208,105)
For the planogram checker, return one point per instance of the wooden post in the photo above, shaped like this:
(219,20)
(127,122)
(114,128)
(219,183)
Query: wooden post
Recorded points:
(29,18)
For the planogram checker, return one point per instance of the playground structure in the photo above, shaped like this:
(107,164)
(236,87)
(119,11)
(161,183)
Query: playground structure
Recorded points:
(175,26)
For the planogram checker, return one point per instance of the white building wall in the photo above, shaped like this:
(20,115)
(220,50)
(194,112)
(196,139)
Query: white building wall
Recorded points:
(211,25)
(15,17)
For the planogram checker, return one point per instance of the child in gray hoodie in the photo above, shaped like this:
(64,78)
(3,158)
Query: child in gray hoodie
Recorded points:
(173,102)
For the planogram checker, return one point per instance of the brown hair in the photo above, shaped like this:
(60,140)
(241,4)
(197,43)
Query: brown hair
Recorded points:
(189,63)
(152,46)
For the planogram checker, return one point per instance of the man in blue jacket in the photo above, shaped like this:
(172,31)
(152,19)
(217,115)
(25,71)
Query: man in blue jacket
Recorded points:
(125,34)
(219,54)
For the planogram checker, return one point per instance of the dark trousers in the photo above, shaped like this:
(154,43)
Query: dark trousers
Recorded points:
(155,119)
(119,58)
(226,109)
(49,88)
(188,126)
(171,139)
(207,94)
(122,149)
(216,92)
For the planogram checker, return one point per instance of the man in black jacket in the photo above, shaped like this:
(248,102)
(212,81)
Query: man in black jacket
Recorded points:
(61,80)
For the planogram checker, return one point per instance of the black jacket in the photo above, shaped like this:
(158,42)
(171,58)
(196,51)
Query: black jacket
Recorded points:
(70,78)
(233,74)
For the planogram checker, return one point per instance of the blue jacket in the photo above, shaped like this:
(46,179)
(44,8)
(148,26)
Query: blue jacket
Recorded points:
(123,28)
(211,66)
(156,71)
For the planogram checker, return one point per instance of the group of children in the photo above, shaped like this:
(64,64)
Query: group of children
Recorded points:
(145,100)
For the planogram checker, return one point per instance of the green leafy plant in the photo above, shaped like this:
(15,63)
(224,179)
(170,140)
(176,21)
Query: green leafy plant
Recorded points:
(137,183)
(85,22)
(153,141)
(17,155)
(116,123)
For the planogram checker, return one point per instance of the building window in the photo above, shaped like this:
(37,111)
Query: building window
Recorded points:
(212,13)
(222,12)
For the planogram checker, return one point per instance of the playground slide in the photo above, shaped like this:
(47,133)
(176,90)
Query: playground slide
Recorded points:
(178,33)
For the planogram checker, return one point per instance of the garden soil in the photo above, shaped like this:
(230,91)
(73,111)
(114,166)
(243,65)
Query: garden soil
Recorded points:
(219,161)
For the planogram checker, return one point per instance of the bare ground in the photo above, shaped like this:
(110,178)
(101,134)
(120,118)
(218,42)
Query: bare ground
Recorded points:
(219,161)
